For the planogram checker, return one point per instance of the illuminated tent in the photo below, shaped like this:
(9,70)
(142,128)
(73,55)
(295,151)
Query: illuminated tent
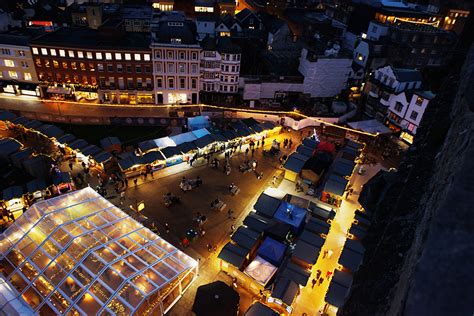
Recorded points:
(102,157)
(13,192)
(272,251)
(200,132)
(233,254)
(204,141)
(78,253)
(183,138)
(286,290)
(199,122)
(291,214)
(260,270)
(293,166)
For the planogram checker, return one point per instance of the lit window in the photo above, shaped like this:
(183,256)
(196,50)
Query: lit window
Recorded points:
(118,56)
(128,56)
(62,53)
(53,52)
(80,54)
(108,56)
(137,57)
(89,55)
(28,76)
(9,63)
(44,51)
(98,55)
(70,53)
(35,51)
(13,74)
(146,57)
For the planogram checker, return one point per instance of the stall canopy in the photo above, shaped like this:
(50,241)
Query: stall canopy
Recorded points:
(62,177)
(260,270)
(216,298)
(266,205)
(21,120)
(201,132)
(317,226)
(295,162)
(152,157)
(102,157)
(183,138)
(249,121)
(78,144)
(204,141)
(170,152)
(230,134)
(129,162)
(351,259)
(111,143)
(305,252)
(350,153)
(305,151)
(51,130)
(198,122)
(314,168)
(278,230)
(36,185)
(291,214)
(370,126)
(186,147)
(355,245)
(8,146)
(342,169)
(256,128)
(312,238)
(272,251)
(258,309)
(361,219)
(285,290)
(326,147)
(294,272)
(243,239)
(311,143)
(6,116)
(66,138)
(33,124)
(232,255)
(90,150)
(18,157)
(334,187)
(268,125)
(319,212)
(255,222)
(13,192)
(339,288)
(218,137)
(147,145)
(357,231)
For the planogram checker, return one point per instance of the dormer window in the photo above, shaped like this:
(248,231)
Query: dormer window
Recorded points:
(175,41)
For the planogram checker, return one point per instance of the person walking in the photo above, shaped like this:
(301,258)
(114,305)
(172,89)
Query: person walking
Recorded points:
(246,152)
(71,165)
(253,151)
(167,228)
(135,181)
(321,280)
(313,283)
(290,143)
(328,275)
(318,274)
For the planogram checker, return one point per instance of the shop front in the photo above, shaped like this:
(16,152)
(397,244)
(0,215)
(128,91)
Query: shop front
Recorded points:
(407,137)
(60,93)
(15,206)
(82,94)
(145,98)
(19,88)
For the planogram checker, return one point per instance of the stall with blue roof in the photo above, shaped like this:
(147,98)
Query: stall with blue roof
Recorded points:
(272,251)
(292,215)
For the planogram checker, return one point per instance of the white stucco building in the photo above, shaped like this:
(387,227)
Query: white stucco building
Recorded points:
(176,59)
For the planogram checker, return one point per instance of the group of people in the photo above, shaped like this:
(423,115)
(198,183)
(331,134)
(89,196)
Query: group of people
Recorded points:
(287,143)
(189,184)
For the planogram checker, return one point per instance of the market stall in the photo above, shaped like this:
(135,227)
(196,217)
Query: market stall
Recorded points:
(13,201)
(232,258)
(284,293)
(172,156)
(37,191)
(188,149)
(292,215)
(62,183)
(305,254)
(293,166)
(339,289)
(266,205)
(131,165)
(111,144)
(8,146)
(50,131)
(255,222)
(260,270)
(272,251)
(154,160)
(20,156)
(102,159)
(334,189)
(258,309)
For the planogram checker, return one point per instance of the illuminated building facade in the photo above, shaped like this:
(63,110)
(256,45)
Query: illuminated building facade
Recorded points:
(78,254)
(176,59)
(17,71)
(105,64)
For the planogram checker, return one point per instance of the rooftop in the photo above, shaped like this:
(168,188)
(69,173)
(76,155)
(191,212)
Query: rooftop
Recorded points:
(173,28)
(18,40)
(407,75)
(81,253)
(85,37)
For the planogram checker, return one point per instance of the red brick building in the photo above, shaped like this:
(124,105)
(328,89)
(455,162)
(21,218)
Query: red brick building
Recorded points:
(106,64)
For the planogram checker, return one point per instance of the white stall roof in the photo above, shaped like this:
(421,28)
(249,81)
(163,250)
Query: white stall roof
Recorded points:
(260,270)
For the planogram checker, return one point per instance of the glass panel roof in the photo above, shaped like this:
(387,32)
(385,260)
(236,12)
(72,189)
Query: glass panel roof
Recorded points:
(82,253)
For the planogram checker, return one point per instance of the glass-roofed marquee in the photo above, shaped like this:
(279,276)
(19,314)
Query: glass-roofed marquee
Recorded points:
(79,254)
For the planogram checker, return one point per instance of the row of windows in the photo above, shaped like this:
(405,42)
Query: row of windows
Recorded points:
(91,66)
(12,63)
(180,68)
(215,86)
(234,68)
(90,55)
(109,82)
(171,54)
(11,74)
(172,83)
(13,52)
